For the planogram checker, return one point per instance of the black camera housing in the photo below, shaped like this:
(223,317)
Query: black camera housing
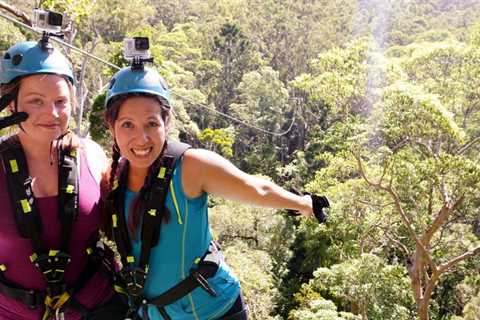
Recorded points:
(141,43)
(55,18)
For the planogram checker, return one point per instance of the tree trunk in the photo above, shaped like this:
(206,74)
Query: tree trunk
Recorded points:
(422,309)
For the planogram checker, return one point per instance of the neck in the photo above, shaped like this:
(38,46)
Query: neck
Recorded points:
(136,178)
(37,150)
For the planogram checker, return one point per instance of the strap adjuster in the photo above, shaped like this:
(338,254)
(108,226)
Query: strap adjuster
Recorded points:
(203,282)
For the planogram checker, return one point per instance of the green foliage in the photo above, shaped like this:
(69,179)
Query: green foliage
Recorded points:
(395,81)
(321,309)
(220,140)
(404,105)
(252,266)
(9,35)
(339,78)
(263,102)
(367,286)
(98,129)
(246,235)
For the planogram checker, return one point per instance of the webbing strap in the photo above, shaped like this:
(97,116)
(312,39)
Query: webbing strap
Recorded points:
(22,198)
(197,278)
(21,195)
(155,195)
(67,194)
(51,262)
(156,190)
(119,224)
(155,204)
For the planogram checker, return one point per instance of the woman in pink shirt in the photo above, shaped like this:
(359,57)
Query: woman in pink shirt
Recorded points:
(50,266)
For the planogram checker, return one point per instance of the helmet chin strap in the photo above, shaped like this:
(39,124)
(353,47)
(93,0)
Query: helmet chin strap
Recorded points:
(15,117)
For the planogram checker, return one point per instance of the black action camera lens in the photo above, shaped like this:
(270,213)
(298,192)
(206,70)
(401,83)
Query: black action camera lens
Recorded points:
(55,19)
(141,43)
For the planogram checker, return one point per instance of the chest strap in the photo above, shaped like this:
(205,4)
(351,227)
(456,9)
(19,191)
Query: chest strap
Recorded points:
(51,262)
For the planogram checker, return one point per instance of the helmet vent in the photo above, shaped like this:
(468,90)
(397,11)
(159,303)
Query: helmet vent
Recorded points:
(112,83)
(17,59)
(6,56)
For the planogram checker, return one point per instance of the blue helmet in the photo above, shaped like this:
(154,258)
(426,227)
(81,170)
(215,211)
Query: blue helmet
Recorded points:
(28,58)
(132,81)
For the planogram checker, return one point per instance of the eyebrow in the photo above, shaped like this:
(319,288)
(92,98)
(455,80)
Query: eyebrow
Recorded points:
(128,118)
(34,94)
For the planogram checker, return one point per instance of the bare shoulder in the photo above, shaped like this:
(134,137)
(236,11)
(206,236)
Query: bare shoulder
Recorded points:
(96,158)
(207,171)
(195,169)
(195,160)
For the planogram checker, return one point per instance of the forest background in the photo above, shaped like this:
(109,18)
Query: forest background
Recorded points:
(375,104)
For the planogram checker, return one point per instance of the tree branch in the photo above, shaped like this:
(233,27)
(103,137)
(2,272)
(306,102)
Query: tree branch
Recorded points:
(467,146)
(406,221)
(16,12)
(440,219)
(449,264)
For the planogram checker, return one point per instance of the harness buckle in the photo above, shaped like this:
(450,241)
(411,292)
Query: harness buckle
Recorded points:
(133,280)
(52,266)
(203,282)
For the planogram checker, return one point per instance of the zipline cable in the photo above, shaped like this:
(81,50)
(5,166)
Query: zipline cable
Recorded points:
(175,94)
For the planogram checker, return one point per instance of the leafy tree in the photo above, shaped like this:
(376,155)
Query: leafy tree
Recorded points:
(431,185)
(367,286)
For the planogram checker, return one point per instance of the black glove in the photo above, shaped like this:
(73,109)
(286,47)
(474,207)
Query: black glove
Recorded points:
(319,203)
(15,118)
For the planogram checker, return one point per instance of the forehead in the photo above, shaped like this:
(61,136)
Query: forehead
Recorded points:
(44,84)
(140,107)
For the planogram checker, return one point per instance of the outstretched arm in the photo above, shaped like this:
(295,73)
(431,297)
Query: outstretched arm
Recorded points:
(206,171)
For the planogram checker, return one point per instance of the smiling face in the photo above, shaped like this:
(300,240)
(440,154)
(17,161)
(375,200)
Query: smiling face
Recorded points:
(48,101)
(140,131)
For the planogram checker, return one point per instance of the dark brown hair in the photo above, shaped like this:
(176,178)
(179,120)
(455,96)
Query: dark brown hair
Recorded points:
(117,170)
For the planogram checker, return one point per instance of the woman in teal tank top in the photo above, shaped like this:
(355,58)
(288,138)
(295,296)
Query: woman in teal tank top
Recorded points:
(138,114)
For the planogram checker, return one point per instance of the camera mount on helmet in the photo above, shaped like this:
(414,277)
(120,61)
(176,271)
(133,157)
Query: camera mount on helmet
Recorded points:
(136,49)
(51,24)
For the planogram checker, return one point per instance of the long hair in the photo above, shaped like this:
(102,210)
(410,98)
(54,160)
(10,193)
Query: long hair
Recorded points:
(116,170)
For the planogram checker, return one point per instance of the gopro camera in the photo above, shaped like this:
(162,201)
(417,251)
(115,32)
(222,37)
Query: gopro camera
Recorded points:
(136,48)
(47,21)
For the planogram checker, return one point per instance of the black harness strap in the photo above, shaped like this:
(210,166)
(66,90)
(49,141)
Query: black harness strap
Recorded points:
(21,195)
(68,194)
(155,203)
(51,262)
(132,279)
(155,195)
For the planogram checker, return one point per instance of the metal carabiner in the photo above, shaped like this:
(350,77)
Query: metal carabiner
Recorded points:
(59,314)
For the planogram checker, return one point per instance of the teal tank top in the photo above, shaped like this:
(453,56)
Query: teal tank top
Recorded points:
(183,239)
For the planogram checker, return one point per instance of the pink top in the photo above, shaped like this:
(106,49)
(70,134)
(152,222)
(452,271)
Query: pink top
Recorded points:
(15,250)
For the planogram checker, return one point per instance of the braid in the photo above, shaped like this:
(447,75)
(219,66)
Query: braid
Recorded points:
(114,165)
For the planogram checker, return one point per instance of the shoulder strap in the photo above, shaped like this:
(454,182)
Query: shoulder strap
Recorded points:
(20,191)
(22,199)
(119,224)
(156,196)
(68,190)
